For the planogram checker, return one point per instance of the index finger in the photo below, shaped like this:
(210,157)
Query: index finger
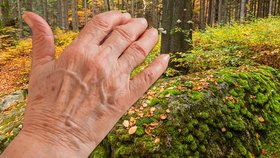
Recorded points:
(101,25)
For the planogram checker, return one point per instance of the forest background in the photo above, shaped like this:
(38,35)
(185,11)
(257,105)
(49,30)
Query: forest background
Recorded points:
(220,96)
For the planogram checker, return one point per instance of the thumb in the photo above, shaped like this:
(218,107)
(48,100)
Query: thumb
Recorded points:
(42,39)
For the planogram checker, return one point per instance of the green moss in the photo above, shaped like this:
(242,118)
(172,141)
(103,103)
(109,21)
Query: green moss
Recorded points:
(154,101)
(261,99)
(196,95)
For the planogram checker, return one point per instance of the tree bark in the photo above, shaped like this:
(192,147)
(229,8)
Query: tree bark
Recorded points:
(45,9)
(75,15)
(30,5)
(20,24)
(1,17)
(106,5)
(155,14)
(132,8)
(202,14)
(270,8)
(92,8)
(242,11)
(86,11)
(209,12)
(260,8)
(177,14)
(59,14)
(220,12)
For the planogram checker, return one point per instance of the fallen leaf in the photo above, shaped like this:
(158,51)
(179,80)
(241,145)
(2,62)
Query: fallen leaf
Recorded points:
(258,135)
(126,123)
(157,140)
(154,124)
(179,88)
(167,95)
(168,110)
(152,109)
(132,130)
(261,119)
(132,121)
(145,105)
(163,116)
(264,152)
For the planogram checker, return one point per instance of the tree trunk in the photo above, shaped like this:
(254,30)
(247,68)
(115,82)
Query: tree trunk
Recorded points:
(59,14)
(30,5)
(260,5)
(155,14)
(20,24)
(86,11)
(213,13)
(1,17)
(242,11)
(225,12)
(66,24)
(75,15)
(270,8)
(106,5)
(220,12)
(92,8)
(132,8)
(202,14)
(210,12)
(44,4)
(177,13)
(64,12)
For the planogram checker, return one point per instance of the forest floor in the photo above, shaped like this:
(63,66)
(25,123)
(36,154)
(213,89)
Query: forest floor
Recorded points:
(224,50)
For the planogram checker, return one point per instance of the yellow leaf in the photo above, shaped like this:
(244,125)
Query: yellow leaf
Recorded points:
(261,119)
(132,130)
(157,140)
(126,123)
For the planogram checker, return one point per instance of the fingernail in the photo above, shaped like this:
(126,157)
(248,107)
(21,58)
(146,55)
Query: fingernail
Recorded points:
(166,57)
(142,20)
(127,15)
(27,20)
(154,31)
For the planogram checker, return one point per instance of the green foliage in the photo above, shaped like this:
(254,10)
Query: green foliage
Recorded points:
(231,46)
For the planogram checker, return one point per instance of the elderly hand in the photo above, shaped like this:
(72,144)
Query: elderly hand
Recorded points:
(75,101)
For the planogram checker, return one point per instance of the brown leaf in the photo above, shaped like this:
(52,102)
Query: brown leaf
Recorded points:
(132,121)
(163,116)
(264,152)
(132,130)
(125,123)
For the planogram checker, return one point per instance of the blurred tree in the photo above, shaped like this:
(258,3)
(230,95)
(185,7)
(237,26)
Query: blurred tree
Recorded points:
(75,15)
(177,25)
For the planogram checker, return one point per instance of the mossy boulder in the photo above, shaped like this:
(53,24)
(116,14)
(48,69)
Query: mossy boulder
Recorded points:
(232,112)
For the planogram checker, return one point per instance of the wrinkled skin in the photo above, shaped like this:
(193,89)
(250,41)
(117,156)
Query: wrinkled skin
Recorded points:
(74,101)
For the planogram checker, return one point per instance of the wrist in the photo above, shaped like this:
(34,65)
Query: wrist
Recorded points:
(25,145)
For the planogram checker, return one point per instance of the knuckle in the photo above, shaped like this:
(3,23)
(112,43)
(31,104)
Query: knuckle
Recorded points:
(125,34)
(149,76)
(139,50)
(100,22)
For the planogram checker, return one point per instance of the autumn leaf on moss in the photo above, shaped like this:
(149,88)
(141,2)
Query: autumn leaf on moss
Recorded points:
(132,130)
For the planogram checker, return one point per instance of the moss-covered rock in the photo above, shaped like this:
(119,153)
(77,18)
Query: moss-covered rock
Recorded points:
(232,112)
